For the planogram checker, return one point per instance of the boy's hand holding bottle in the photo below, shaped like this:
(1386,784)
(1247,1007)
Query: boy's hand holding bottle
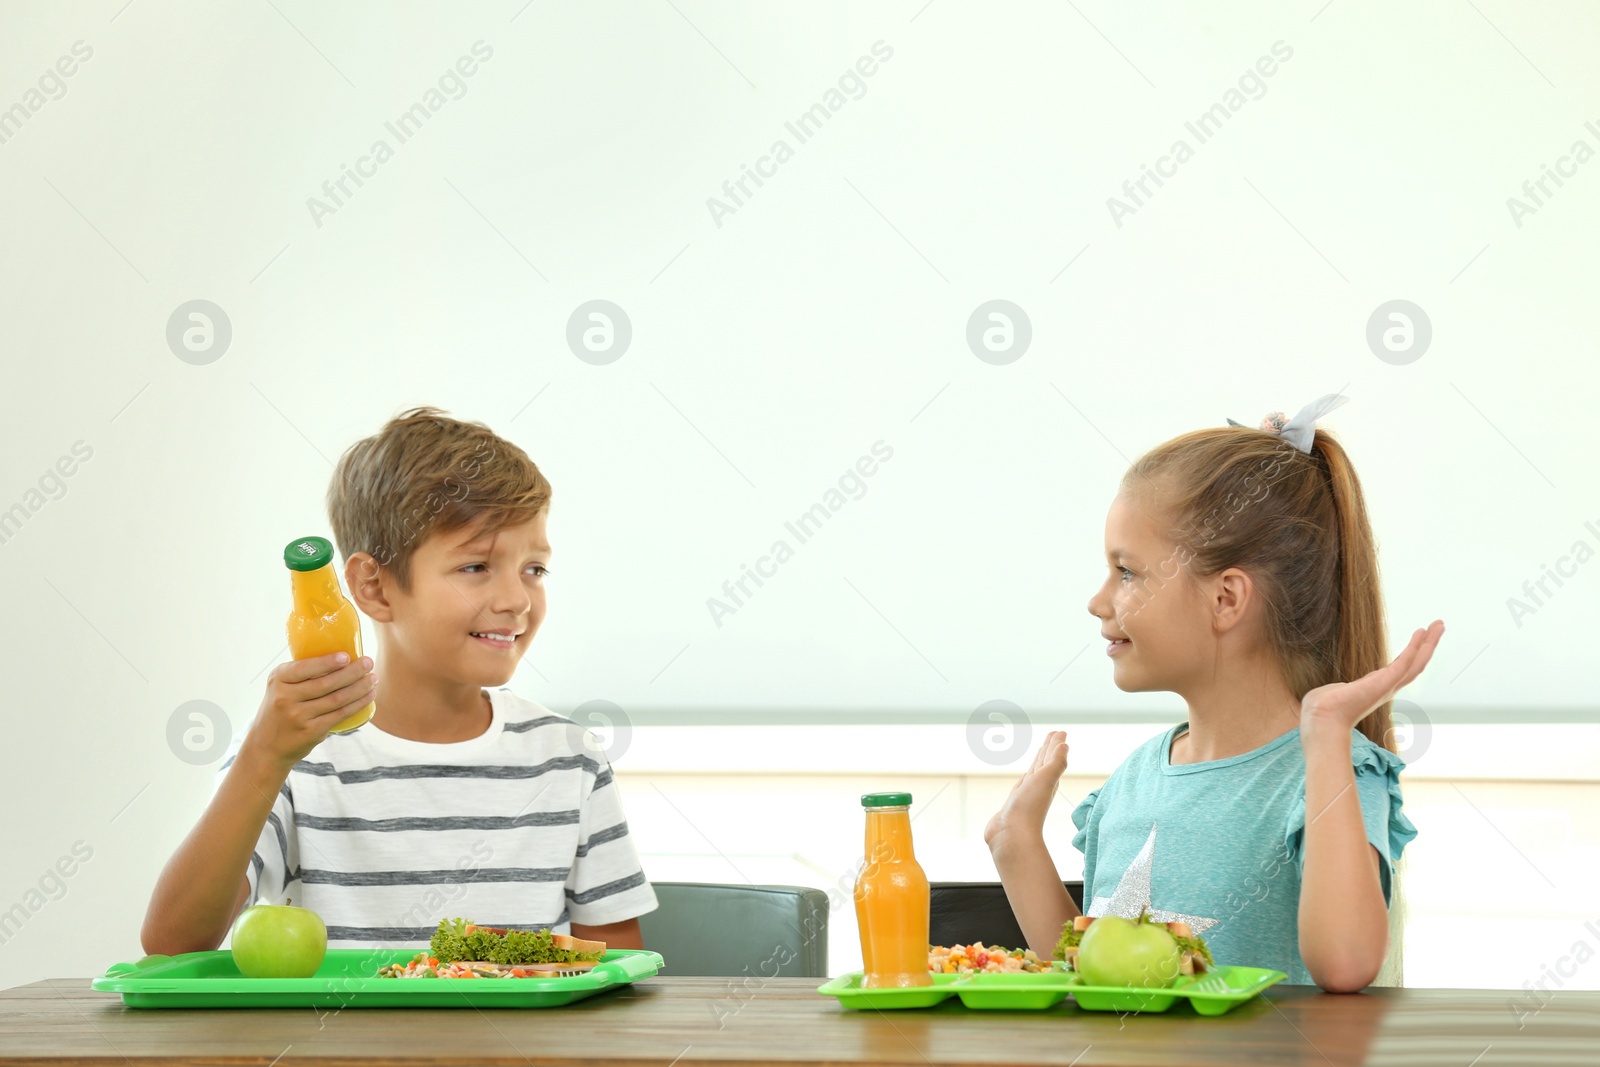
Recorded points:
(305,699)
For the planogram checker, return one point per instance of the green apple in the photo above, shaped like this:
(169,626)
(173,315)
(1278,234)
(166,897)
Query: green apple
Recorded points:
(1119,952)
(278,941)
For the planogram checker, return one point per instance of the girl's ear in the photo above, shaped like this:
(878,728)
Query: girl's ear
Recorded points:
(365,579)
(1232,592)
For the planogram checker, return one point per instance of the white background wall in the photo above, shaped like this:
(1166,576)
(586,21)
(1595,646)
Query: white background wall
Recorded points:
(768,353)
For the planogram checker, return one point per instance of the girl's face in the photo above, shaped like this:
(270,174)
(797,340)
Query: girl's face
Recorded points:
(1151,614)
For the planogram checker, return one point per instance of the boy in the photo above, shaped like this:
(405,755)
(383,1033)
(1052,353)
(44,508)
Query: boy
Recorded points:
(453,800)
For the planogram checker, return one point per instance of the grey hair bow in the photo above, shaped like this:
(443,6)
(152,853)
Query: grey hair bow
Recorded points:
(1299,430)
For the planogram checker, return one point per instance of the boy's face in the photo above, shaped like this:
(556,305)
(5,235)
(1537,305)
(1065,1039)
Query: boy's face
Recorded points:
(465,586)
(1150,602)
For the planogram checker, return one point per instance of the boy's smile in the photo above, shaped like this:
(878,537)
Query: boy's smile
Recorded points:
(500,640)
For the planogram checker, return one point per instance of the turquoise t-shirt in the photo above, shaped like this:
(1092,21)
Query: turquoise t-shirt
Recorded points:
(1219,844)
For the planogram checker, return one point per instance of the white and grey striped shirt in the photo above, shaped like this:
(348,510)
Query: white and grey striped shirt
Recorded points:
(382,837)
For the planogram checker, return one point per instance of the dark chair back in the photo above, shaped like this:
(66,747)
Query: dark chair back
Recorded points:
(761,931)
(963,912)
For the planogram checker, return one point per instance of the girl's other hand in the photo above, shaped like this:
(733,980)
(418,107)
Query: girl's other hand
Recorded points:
(1342,705)
(1025,808)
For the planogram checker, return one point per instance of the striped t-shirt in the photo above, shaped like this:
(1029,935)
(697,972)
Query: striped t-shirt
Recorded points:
(382,837)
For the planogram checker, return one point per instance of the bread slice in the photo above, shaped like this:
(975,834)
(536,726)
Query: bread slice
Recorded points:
(1191,963)
(542,970)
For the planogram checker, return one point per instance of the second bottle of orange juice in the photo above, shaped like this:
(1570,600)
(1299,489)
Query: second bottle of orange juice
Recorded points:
(323,620)
(892,898)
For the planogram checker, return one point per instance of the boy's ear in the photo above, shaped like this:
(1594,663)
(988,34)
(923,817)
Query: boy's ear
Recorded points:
(364,577)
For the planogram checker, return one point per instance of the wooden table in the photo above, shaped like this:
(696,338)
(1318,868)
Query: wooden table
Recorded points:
(688,1021)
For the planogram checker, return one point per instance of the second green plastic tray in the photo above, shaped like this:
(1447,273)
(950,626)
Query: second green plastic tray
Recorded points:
(348,979)
(1211,994)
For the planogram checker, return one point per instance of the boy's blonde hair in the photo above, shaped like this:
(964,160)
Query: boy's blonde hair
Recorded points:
(425,473)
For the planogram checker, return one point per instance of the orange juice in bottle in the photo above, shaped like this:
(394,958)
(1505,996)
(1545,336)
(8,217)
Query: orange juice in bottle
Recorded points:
(323,620)
(892,898)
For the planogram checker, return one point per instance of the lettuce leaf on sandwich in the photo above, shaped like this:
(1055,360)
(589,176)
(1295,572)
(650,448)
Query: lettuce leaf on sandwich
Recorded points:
(457,940)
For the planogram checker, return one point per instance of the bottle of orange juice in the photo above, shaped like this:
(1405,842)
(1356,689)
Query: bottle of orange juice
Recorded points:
(323,620)
(892,898)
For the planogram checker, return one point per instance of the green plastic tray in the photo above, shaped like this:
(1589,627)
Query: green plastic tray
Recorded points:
(1211,994)
(348,979)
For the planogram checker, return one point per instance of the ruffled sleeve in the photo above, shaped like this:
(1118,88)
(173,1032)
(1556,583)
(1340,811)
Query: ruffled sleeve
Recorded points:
(1378,787)
(1080,818)
(1084,840)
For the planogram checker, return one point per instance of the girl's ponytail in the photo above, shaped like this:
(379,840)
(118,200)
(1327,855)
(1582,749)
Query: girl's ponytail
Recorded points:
(1362,643)
(1363,648)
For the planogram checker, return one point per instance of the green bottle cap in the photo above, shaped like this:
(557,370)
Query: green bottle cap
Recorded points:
(886,800)
(308,553)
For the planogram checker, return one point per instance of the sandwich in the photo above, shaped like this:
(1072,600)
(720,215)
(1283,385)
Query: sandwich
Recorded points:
(1194,959)
(499,950)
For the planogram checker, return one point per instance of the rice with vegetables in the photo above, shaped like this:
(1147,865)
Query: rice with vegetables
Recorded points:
(978,958)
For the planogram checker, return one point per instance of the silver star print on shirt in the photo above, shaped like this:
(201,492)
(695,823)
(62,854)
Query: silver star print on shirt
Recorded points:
(1133,895)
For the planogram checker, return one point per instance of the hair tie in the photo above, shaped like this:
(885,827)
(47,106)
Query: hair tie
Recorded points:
(1299,430)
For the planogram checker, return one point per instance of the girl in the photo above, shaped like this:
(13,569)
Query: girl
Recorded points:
(1242,575)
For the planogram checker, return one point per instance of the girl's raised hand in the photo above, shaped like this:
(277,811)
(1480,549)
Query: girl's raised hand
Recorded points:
(1342,705)
(1025,808)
